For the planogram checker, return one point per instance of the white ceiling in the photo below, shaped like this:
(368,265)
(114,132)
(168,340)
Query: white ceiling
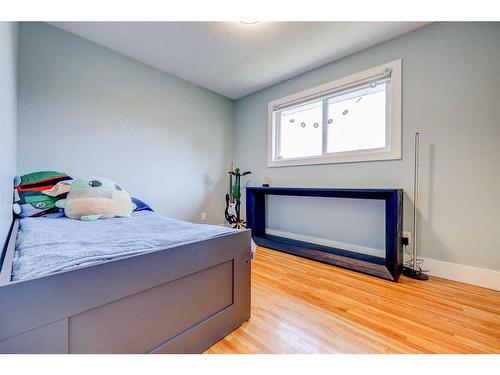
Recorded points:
(236,59)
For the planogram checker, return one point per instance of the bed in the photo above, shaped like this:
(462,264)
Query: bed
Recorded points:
(146,284)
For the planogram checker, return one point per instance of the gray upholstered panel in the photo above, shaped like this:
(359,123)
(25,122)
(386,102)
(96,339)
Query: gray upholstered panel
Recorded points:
(143,321)
(49,339)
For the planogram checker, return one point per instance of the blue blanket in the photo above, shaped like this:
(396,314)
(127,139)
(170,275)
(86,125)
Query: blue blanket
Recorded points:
(46,245)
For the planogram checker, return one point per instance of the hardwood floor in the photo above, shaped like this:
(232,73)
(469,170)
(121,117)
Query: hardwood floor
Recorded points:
(302,306)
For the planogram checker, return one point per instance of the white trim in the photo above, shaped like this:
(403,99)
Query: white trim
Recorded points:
(326,242)
(392,150)
(483,277)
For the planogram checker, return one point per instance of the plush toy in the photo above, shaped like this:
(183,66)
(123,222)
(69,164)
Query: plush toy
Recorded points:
(93,198)
(29,197)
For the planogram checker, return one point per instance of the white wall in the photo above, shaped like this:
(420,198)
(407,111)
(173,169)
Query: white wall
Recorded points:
(451,93)
(352,224)
(86,110)
(8,109)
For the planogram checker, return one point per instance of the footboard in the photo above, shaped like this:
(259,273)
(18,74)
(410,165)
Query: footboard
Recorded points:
(178,300)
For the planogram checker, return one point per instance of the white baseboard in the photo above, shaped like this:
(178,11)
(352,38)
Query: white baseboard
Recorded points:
(460,272)
(465,274)
(326,242)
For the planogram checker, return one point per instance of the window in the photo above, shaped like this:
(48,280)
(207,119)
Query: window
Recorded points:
(356,118)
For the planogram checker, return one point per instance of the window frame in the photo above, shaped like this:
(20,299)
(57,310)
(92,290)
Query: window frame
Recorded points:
(392,150)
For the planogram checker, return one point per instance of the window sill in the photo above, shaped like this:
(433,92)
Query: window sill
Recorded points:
(348,157)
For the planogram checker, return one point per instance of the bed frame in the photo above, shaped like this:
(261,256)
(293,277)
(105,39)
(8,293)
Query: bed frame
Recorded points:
(179,300)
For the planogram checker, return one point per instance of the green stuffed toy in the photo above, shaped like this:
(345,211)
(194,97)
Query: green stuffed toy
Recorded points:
(94,198)
(30,198)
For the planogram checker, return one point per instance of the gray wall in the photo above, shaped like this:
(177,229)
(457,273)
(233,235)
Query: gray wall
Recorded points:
(8,109)
(169,142)
(451,93)
(86,110)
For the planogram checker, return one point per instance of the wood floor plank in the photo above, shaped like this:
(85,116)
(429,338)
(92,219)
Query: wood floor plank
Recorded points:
(303,306)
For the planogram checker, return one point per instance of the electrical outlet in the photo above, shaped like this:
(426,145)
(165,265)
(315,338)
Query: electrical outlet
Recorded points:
(407,235)
(203,216)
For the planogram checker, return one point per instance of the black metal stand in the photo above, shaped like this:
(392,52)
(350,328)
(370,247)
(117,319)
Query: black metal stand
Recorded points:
(415,274)
(233,218)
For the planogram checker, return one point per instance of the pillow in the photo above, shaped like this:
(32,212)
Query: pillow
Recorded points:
(140,205)
(30,199)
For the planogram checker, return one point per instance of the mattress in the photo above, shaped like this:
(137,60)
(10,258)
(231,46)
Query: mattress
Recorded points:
(48,245)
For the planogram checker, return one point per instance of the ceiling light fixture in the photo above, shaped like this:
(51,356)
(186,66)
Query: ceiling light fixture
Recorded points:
(249,22)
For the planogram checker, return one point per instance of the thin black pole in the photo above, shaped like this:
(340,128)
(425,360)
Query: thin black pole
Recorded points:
(414,270)
(415,200)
